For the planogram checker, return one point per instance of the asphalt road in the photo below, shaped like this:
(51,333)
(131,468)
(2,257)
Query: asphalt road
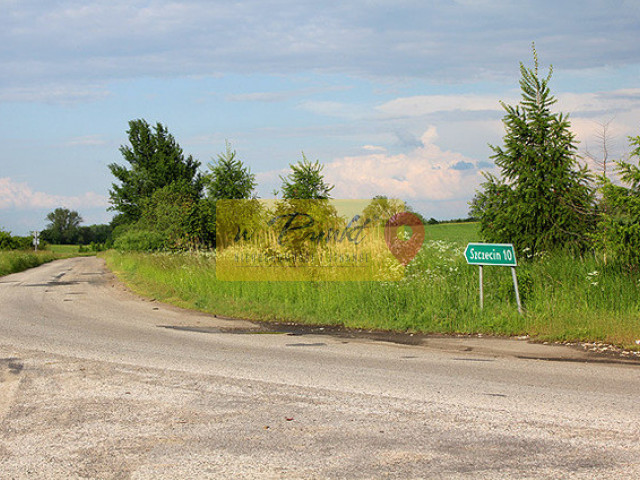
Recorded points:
(97,383)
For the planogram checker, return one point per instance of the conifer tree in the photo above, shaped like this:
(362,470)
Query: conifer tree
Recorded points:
(306,181)
(231,187)
(229,178)
(543,198)
(620,226)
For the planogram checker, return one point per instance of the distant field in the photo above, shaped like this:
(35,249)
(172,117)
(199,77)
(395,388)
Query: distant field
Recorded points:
(64,249)
(453,232)
(565,298)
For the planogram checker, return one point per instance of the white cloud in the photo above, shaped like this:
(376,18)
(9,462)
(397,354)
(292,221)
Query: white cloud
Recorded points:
(438,182)
(592,104)
(601,103)
(373,148)
(21,196)
(466,132)
(442,41)
(270,181)
(421,105)
(425,173)
(58,94)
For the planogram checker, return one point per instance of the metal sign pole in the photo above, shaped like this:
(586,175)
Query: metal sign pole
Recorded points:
(498,254)
(481,289)
(515,285)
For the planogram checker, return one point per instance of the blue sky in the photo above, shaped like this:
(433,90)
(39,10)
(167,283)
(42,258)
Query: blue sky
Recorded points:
(395,97)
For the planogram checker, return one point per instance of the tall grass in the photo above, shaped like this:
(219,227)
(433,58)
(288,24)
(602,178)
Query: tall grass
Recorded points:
(14,261)
(567,299)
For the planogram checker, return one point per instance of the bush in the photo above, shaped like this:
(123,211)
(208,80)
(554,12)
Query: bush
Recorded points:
(9,242)
(23,243)
(141,241)
(6,240)
(93,247)
(620,225)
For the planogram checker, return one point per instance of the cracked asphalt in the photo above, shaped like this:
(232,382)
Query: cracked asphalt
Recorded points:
(98,383)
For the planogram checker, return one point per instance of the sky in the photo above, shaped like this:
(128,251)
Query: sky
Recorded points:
(398,98)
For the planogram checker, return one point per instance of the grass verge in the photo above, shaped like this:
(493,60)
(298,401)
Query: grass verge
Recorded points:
(566,299)
(14,261)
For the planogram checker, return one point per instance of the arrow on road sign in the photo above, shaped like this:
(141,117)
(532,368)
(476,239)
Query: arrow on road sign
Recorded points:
(499,254)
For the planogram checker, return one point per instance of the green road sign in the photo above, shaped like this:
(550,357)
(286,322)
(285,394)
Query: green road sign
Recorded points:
(500,254)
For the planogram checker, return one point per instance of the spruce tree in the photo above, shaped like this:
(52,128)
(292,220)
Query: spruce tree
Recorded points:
(229,178)
(305,181)
(620,226)
(231,187)
(543,199)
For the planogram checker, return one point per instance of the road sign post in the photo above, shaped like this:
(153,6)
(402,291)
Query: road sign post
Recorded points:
(497,254)
(481,288)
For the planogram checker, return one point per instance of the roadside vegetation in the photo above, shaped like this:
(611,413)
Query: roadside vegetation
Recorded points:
(14,261)
(576,233)
(17,253)
(565,298)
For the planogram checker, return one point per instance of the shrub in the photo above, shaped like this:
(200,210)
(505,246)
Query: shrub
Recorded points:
(141,241)
(620,227)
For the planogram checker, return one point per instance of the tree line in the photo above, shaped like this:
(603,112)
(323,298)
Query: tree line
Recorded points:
(162,199)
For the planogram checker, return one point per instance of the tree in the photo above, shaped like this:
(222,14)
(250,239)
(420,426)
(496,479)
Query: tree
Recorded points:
(621,219)
(305,197)
(381,209)
(156,161)
(12,242)
(306,203)
(305,182)
(184,222)
(63,226)
(603,140)
(544,199)
(6,240)
(94,234)
(229,178)
(231,194)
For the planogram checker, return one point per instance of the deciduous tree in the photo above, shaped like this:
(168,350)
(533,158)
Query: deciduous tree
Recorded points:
(156,160)
(63,226)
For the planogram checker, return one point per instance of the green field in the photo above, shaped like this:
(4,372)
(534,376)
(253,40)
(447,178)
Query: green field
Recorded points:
(461,233)
(64,249)
(566,299)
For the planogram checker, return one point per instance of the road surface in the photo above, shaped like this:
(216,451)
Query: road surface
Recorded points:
(97,383)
